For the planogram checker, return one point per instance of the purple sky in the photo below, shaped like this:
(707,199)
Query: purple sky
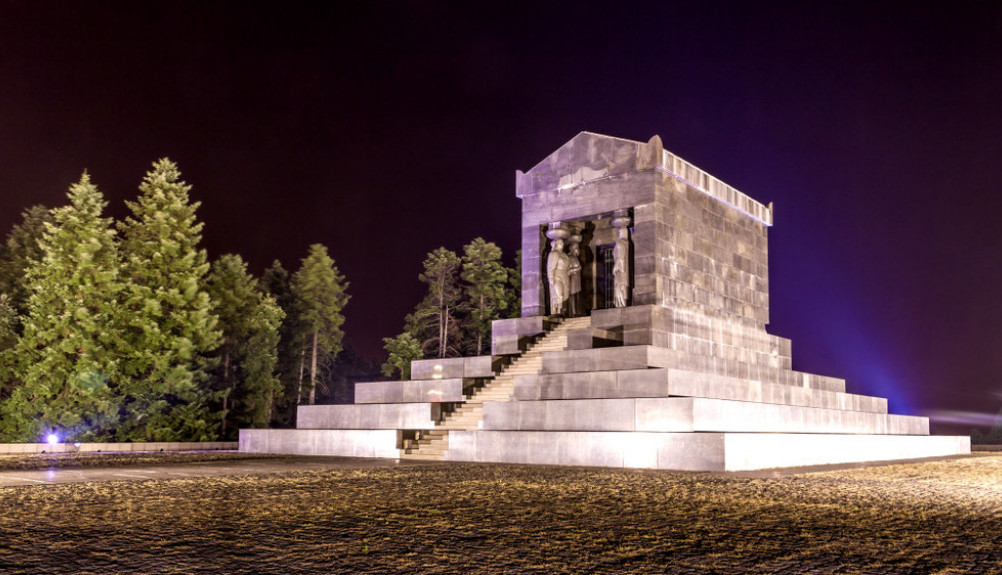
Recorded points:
(385,130)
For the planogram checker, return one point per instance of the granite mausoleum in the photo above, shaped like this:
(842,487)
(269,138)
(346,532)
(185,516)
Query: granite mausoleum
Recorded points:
(642,343)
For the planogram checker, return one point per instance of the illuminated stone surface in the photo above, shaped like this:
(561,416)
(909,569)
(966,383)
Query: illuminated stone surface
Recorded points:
(369,416)
(693,451)
(685,377)
(415,391)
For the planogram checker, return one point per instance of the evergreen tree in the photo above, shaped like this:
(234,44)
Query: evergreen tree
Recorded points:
(173,329)
(319,295)
(441,269)
(8,323)
(18,251)
(250,321)
(8,340)
(275,282)
(486,288)
(68,355)
(401,350)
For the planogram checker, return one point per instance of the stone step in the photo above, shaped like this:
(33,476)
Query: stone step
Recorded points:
(427,457)
(462,420)
(424,442)
(466,417)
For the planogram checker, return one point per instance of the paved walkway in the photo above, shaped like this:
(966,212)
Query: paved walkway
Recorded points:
(197,469)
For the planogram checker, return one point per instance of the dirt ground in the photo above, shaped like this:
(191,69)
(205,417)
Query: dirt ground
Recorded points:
(935,517)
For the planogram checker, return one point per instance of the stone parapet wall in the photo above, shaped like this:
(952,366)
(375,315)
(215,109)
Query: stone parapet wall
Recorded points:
(679,383)
(369,416)
(511,336)
(420,391)
(24,448)
(687,414)
(456,367)
(330,442)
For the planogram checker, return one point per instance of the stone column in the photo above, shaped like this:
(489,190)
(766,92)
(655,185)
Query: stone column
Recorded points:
(621,258)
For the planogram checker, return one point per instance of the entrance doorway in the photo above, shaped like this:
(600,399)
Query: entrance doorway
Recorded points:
(605,281)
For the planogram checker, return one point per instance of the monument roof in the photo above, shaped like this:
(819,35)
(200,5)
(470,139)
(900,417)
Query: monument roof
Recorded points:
(589,156)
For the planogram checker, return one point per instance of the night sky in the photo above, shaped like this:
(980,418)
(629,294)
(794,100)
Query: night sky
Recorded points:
(384,130)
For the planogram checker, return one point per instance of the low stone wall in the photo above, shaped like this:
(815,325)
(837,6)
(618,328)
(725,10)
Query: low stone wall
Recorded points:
(24,448)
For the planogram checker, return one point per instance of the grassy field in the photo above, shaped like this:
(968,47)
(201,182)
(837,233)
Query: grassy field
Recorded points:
(938,517)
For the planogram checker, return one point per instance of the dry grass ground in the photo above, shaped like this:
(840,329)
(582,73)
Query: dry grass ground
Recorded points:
(939,517)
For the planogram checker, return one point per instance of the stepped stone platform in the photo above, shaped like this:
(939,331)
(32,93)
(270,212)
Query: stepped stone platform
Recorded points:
(652,353)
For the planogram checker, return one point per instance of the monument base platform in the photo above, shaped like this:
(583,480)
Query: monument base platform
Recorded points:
(695,451)
(670,451)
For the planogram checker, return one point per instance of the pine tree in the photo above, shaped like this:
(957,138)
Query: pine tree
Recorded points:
(319,294)
(485,289)
(249,320)
(441,269)
(67,357)
(18,251)
(173,329)
(275,282)
(9,328)
(401,350)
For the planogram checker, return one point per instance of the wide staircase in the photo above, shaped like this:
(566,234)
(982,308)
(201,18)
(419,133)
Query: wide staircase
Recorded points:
(433,443)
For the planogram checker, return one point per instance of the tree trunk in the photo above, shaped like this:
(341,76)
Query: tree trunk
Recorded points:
(443,319)
(445,335)
(302,368)
(480,332)
(313,371)
(226,385)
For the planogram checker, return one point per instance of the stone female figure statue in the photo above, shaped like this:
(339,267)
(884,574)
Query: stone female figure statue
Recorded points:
(557,275)
(621,268)
(574,308)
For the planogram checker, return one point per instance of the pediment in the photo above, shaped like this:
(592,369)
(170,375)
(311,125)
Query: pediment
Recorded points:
(589,156)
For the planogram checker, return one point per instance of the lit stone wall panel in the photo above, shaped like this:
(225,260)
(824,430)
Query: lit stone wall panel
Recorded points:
(684,414)
(330,442)
(427,391)
(694,451)
(455,367)
(369,416)
(681,383)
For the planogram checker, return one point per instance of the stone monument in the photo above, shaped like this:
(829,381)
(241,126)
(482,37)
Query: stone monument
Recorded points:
(642,343)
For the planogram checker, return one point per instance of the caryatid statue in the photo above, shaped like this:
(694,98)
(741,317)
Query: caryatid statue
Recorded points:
(574,303)
(621,260)
(557,270)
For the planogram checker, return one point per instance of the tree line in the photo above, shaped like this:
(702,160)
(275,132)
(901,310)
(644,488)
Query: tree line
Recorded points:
(464,295)
(125,331)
